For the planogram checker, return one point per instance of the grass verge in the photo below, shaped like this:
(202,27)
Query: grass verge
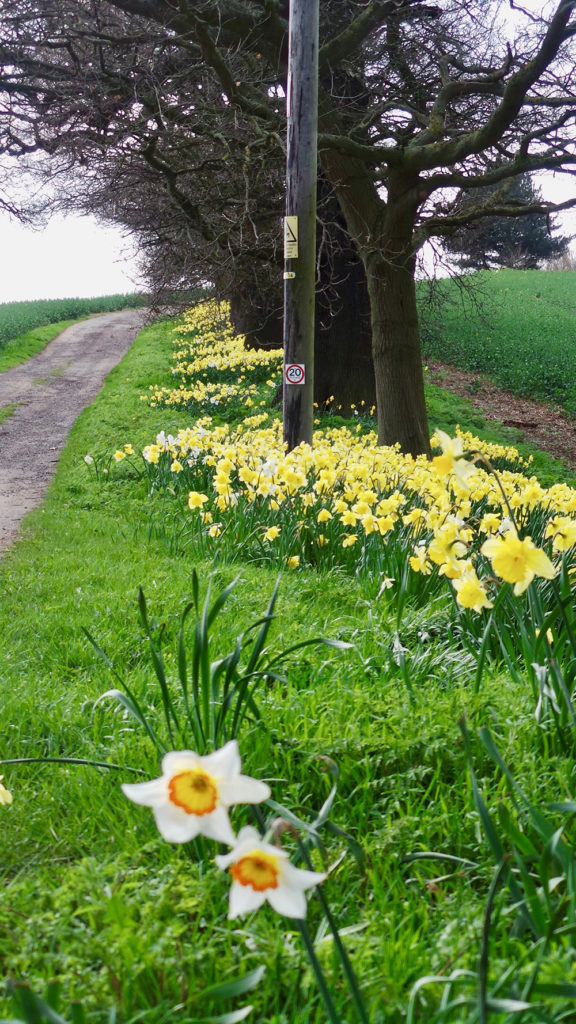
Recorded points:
(94,898)
(18,350)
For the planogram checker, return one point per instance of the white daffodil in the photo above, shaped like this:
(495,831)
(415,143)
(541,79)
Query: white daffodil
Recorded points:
(263,872)
(193,794)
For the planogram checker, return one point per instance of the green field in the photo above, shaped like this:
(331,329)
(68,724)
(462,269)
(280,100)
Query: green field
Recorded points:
(18,318)
(517,326)
(440,868)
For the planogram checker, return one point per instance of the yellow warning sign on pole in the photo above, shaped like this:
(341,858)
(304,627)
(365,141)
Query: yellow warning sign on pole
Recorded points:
(290,238)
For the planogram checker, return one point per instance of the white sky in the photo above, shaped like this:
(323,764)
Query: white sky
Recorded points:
(73,257)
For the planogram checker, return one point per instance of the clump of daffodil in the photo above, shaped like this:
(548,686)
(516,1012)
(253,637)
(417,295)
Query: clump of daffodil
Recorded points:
(517,561)
(349,496)
(193,794)
(562,530)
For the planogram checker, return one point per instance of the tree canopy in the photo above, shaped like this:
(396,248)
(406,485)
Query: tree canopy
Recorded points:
(170,118)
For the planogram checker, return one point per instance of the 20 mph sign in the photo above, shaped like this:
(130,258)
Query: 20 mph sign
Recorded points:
(295,373)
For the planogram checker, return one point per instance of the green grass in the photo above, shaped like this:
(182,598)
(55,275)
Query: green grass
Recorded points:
(19,349)
(92,896)
(517,326)
(8,410)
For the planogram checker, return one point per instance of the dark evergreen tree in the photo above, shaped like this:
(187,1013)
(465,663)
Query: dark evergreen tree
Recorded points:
(519,239)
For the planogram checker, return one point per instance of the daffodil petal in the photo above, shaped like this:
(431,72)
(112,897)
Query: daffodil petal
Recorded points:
(523,585)
(223,762)
(175,826)
(490,547)
(243,790)
(541,565)
(299,879)
(217,826)
(244,899)
(180,761)
(287,901)
(148,794)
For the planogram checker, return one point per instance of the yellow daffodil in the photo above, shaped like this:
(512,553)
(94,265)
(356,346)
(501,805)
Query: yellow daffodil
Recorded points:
(5,794)
(562,529)
(196,500)
(517,561)
(193,794)
(452,461)
(293,561)
(272,533)
(447,549)
(419,561)
(470,592)
(263,873)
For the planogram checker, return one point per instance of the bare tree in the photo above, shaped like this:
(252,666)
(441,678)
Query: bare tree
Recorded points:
(139,134)
(419,101)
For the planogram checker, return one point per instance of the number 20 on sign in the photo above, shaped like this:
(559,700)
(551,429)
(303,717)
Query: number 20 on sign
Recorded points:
(295,373)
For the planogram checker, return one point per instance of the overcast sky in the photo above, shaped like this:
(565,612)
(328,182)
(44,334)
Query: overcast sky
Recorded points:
(73,257)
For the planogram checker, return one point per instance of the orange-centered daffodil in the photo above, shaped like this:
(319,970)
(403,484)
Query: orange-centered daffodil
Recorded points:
(263,873)
(193,794)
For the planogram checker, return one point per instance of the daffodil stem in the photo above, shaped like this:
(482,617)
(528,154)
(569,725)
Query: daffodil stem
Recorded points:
(490,468)
(318,972)
(349,972)
(71,760)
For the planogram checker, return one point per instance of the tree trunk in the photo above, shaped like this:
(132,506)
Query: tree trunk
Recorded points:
(397,358)
(384,243)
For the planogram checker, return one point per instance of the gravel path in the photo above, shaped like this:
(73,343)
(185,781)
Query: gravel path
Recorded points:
(49,392)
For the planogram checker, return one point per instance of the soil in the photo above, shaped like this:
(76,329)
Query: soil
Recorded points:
(48,393)
(544,426)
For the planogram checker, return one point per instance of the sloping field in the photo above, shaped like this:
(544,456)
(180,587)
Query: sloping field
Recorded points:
(518,326)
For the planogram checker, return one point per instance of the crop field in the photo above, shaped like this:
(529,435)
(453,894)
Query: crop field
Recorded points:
(519,327)
(17,318)
(285,737)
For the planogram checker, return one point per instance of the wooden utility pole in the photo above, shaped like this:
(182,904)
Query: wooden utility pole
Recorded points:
(300,222)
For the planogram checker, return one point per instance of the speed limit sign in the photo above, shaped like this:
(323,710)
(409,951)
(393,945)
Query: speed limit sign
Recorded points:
(295,373)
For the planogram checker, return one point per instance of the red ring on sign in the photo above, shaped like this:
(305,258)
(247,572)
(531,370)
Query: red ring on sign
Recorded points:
(294,374)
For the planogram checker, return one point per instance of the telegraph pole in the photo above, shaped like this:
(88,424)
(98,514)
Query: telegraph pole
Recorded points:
(300,222)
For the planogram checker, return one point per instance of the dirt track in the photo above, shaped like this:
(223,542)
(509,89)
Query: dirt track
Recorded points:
(49,392)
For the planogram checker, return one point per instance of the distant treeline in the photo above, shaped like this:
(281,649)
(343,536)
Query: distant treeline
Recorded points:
(17,318)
